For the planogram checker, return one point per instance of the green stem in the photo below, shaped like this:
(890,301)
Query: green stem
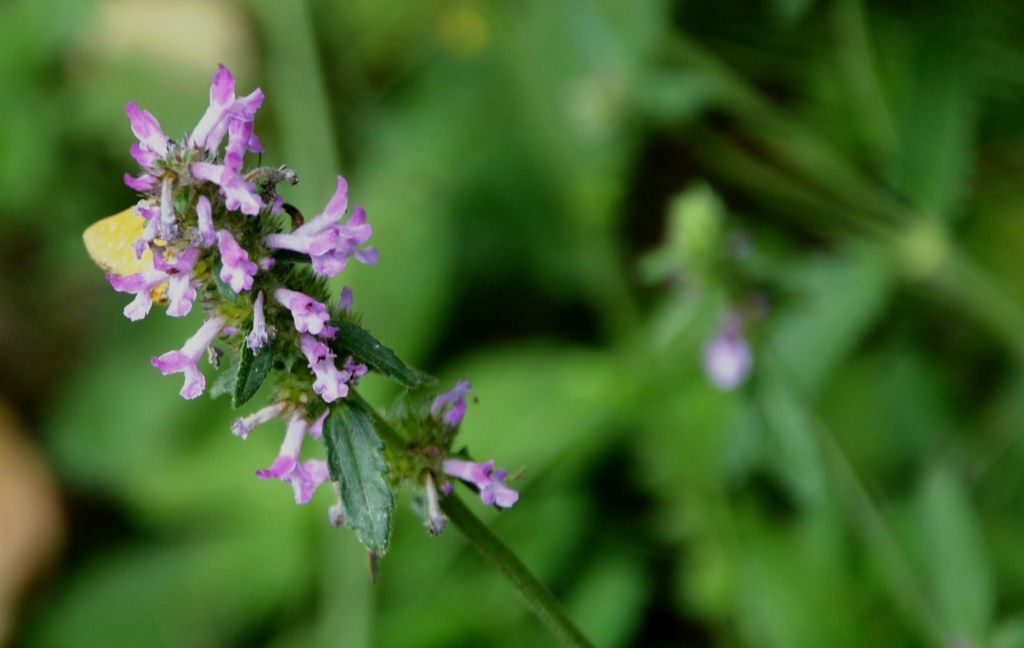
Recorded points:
(537,596)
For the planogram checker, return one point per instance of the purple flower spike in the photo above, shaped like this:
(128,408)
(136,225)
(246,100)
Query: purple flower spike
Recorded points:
(186,359)
(331,214)
(727,356)
(240,140)
(488,481)
(222,96)
(242,426)
(144,182)
(331,384)
(181,289)
(146,158)
(245,108)
(141,285)
(451,405)
(204,213)
(303,477)
(310,315)
(147,129)
(329,243)
(151,213)
(236,268)
(224,111)
(260,334)
(239,195)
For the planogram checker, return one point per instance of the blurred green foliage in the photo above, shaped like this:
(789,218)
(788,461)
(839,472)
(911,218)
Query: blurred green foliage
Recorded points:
(518,160)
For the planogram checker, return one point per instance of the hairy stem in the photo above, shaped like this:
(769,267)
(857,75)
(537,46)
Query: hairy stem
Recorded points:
(537,596)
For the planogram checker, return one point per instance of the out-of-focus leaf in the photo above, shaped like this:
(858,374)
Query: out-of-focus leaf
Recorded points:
(833,302)
(796,589)
(1010,634)
(951,548)
(184,593)
(224,383)
(542,405)
(607,602)
(935,110)
(796,457)
(356,463)
(791,11)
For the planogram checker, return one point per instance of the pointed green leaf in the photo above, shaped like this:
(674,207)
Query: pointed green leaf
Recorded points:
(252,370)
(355,340)
(356,463)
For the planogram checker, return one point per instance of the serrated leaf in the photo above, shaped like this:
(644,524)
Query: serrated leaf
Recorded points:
(252,371)
(357,341)
(355,460)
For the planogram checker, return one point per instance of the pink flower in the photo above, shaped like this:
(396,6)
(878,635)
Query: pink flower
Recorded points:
(260,334)
(331,384)
(147,129)
(488,481)
(204,214)
(242,426)
(451,405)
(140,284)
(186,359)
(304,477)
(236,269)
(142,183)
(316,429)
(240,140)
(223,109)
(151,212)
(239,195)
(328,243)
(181,290)
(310,315)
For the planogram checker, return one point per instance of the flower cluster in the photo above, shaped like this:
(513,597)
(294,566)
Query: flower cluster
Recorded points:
(215,234)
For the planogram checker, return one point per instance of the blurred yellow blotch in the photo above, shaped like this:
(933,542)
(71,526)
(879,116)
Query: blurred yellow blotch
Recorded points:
(109,244)
(463,31)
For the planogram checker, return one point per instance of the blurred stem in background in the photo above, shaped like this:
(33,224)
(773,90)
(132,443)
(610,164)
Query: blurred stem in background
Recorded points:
(820,180)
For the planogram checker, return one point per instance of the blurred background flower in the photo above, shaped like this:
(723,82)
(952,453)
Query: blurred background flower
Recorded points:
(567,197)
